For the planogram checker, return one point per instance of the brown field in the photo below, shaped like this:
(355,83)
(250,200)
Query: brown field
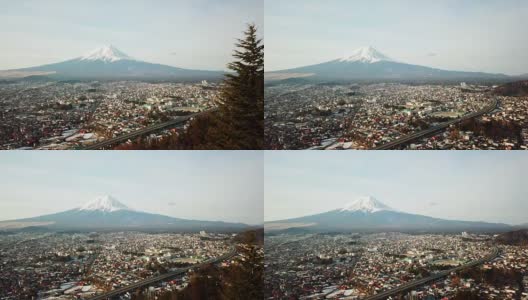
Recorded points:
(22,74)
(281,226)
(17,225)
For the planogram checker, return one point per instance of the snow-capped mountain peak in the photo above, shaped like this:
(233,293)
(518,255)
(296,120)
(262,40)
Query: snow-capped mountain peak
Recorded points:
(366,204)
(107,54)
(366,55)
(104,203)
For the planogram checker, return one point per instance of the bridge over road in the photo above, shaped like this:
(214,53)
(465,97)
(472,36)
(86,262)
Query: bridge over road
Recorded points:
(415,136)
(413,284)
(144,131)
(162,277)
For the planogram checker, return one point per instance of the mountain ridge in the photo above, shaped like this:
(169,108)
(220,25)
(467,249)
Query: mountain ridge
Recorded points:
(367,64)
(378,220)
(106,213)
(110,63)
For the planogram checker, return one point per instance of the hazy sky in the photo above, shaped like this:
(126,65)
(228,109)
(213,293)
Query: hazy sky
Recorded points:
(467,35)
(203,185)
(473,185)
(196,34)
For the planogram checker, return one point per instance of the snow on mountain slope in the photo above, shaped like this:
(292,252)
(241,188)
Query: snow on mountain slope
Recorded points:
(366,55)
(106,54)
(366,204)
(104,203)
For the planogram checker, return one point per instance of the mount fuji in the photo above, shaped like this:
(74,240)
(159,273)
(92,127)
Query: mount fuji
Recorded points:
(107,213)
(104,203)
(366,214)
(366,204)
(109,63)
(369,64)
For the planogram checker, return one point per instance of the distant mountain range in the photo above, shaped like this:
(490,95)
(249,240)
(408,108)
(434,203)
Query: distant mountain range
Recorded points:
(368,64)
(106,213)
(367,214)
(109,63)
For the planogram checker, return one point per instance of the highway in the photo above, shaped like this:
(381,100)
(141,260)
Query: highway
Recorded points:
(162,277)
(413,284)
(414,136)
(131,135)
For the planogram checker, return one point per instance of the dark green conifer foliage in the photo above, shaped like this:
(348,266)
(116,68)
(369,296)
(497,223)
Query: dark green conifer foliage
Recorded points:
(240,119)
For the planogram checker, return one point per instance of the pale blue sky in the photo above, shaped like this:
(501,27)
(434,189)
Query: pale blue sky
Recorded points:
(196,34)
(473,185)
(203,185)
(467,35)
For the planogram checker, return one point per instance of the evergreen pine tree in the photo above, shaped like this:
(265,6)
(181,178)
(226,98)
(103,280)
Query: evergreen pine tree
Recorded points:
(246,279)
(239,123)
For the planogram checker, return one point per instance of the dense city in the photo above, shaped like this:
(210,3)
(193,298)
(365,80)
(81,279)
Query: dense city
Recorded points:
(70,115)
(356,266)
(82,265)
(353,116)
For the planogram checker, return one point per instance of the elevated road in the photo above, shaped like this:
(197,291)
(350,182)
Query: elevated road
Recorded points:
(162,277)
(144,131)
(413,284)
(414,136)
